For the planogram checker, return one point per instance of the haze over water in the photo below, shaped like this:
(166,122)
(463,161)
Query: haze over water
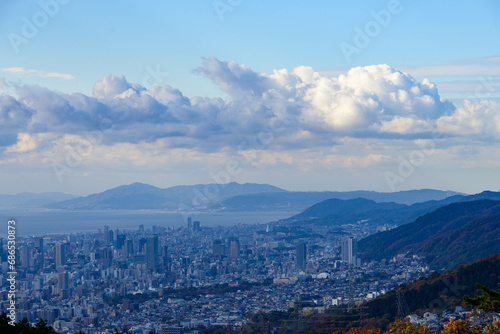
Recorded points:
(39,222)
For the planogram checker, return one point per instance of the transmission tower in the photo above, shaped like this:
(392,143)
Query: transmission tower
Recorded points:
(350,296)
(402,307)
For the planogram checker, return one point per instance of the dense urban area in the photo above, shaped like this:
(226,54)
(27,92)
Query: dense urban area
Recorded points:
(149,279)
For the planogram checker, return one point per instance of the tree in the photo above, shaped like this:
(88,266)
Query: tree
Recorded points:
(488,301)
(363,331)
(462,327)
(23,327)
(406,327)
(4,325)
(41,327)
(493,328)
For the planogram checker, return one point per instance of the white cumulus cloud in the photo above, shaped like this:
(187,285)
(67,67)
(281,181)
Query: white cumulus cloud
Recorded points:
(285,109)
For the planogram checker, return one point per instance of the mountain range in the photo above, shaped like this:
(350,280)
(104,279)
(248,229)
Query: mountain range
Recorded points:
(301,200)
(229,197)
(339,212)
(140,196)
(453,234)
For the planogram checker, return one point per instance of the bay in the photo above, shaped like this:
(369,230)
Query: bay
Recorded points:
(41,222)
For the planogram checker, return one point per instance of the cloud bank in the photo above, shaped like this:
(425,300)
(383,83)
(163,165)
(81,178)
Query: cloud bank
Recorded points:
(295,109)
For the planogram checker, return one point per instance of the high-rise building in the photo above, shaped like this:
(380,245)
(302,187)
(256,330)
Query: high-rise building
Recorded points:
(301,255)
(39,245)
(35,259)
(349,251)
(25,256)
(63,284)
(234,245)
(106,255)
(196,225)
(165,259)
(128,247)
(106,235)
(142,245)
(164,251)
(39,261)
(110,239)
(218,248)
(60,254)
(63,281)
(38,283)
(152,251)
(67,251)
(120,241)
(190,223)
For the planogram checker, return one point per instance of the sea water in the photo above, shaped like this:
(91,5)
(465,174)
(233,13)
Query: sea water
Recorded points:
(40,222)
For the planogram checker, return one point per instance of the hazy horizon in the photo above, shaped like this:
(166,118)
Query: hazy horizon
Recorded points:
(222,184)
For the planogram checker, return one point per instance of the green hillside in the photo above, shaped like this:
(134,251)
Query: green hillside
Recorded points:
(457,233)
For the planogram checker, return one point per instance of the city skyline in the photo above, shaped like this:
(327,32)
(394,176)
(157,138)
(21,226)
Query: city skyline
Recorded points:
(90,281)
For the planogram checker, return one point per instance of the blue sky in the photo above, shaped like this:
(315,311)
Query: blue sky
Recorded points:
(76,44)
(89,39)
